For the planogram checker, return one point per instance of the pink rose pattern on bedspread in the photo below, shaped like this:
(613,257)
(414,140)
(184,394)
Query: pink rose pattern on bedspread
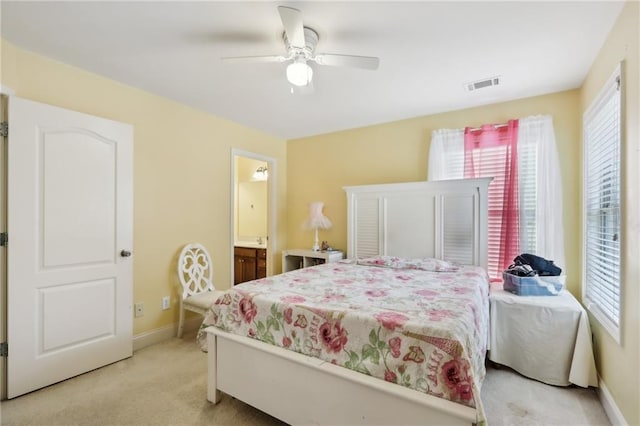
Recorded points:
(419,329)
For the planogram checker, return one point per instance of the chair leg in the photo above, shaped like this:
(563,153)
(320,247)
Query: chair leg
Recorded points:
(181,321)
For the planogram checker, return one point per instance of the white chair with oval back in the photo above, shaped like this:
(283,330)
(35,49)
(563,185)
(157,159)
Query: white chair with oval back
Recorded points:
(195,271)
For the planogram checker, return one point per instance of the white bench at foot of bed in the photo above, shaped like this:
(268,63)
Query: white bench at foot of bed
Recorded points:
(301,390)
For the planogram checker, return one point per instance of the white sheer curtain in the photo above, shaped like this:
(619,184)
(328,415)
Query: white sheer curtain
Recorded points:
(538,131)
(446,155)
(540,183)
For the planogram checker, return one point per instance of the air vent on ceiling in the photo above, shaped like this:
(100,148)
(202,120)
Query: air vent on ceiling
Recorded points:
(480,84)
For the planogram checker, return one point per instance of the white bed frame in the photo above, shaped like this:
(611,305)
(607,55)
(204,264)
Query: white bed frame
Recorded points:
(443,219)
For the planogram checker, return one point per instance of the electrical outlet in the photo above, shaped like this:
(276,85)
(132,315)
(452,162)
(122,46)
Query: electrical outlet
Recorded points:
(166,303)
(139,310)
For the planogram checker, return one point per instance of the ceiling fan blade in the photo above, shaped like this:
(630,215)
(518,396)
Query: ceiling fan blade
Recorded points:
(335,60)
(293,27)
(245,59)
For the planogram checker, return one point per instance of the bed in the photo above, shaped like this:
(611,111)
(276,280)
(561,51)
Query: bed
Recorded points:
(395,334)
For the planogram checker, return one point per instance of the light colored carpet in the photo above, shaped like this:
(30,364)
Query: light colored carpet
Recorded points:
(512,399)
(165,384)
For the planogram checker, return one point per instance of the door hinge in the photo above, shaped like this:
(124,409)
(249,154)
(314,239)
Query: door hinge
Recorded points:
(4,239)
(4,349)
(4,129)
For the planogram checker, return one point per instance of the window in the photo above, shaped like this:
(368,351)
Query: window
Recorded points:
(528,188)
(491,151)
(601,212)
(539,189)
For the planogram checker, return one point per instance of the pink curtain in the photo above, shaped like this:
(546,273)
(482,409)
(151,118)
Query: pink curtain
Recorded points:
(492,151)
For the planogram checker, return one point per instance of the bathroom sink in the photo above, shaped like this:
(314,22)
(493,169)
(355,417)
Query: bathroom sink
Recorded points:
(250,244)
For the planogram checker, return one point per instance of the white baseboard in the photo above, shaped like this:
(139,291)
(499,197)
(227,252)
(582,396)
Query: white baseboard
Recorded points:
(606,399)
(158,335)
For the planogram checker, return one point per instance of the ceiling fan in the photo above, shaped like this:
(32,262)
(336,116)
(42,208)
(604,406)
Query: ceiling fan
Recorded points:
(300,44)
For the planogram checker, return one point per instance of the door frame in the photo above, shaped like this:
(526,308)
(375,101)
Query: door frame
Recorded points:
(5,92)
(272,218)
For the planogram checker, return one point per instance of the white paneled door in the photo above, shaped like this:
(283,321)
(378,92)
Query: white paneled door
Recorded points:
(70,225)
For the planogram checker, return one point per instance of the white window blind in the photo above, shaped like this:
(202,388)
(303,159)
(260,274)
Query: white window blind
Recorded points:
(491,162)
(602,142)
(528,188)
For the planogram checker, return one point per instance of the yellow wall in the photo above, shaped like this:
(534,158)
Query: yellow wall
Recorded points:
(618,364)
(182,170)
(318,167)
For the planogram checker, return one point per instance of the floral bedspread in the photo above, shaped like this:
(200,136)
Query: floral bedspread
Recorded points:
(421,324)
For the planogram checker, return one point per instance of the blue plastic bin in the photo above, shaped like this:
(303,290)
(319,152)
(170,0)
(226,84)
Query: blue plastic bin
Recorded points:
(533,286)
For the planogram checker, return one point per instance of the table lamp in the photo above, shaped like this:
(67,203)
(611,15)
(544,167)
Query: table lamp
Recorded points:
(317,220)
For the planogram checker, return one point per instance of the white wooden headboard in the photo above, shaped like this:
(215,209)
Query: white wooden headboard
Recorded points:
(443,219)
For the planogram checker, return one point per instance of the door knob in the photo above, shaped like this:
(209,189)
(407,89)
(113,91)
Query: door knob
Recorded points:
(125,253)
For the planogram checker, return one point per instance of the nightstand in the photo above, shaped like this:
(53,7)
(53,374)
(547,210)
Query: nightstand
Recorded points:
(301,258)
(546,338)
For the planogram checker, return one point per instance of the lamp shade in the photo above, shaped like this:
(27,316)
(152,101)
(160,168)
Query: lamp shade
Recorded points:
(316,218)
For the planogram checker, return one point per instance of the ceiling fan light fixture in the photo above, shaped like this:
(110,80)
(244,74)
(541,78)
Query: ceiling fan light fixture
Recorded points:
(299,73)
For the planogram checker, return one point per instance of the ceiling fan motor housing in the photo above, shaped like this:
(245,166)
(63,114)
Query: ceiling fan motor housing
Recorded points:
(311,41)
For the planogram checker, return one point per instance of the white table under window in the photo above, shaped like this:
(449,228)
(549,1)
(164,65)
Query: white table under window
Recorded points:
(546,338)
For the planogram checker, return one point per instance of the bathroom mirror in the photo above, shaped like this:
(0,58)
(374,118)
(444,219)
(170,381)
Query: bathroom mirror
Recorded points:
(252,210)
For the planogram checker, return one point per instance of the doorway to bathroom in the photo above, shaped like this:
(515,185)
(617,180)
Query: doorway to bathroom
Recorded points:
(253,215)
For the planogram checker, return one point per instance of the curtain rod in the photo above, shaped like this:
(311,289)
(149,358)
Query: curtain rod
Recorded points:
(495,126)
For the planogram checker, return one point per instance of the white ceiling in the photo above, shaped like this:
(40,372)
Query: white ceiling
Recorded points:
(427,51)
